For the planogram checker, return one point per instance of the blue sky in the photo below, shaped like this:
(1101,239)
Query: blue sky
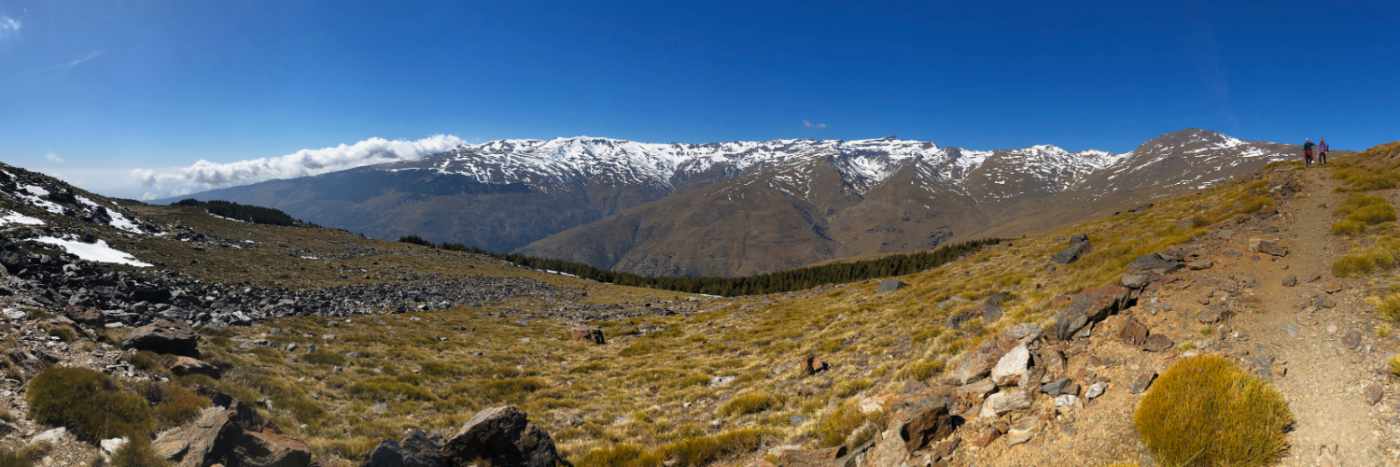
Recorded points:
(106,87)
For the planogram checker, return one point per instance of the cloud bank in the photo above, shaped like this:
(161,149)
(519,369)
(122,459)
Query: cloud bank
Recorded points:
(53,157)
(813,125)
(306,162)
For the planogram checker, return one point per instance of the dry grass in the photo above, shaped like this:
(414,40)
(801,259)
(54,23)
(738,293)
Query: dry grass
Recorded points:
(1234,418)
(645,399)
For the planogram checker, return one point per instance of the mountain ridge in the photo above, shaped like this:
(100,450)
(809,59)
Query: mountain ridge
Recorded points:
(800,201)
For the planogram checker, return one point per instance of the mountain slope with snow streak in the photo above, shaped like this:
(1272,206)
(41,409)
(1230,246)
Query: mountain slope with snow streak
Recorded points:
(837,198)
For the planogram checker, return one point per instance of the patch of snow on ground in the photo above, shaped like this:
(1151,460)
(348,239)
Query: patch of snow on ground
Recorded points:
(17,218)
(99,251)
(121,222)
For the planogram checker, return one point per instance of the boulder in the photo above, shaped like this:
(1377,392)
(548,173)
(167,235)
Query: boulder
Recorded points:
(978,362)
(190,366)
(233,434)
(1136,281)
(1290,281)
(1060,386)
(1271,249)
(1133,333)
(1025,333)
(1156,263)
(1210,316)
(501,436)
(84,315)
(1071,254)
(587,334)
(1078,238)
(891,285)
(1023,430)
(1003,402)
(1012,367)
(163,336)
(418,449)
(1092,305)
(1157,343)
(812,365)
(925,422)
(1199,264)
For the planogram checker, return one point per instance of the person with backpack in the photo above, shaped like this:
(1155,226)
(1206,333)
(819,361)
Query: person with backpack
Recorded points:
(1322,151)
(1307,152)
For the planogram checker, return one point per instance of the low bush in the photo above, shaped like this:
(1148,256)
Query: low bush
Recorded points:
(513,389)
(1388,308)
(441,369)
(384,388)
(750,403)
(705,450)
(1348,227)
(1205,411)
(1364,263)
(324,358)
(921,371)
(835,428)
(90,404)
(137,452)
(1364,179)
(623,455)
(1394,365)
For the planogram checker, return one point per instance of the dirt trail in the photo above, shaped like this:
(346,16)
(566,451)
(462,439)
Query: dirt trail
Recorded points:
(1324,377)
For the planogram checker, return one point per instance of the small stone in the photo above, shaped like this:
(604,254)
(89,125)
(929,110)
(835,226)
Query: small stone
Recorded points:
(1067,400)
(1199,264)
(1373,393)
(1314,277)
(1003,402)
(587,334)
(1142,381)
(1023,430)
(1056,388)
(1096,390)
(1352,340)
(1210,316)
(1290,281)
(1133,333)
(1333,288)
(1271,249)
(985,437)
(1307,319)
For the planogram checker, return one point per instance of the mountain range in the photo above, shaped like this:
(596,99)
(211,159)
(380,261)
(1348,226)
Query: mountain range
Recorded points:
(745,207)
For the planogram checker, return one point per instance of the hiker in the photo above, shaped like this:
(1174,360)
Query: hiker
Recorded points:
(1307,152)
(1322,151)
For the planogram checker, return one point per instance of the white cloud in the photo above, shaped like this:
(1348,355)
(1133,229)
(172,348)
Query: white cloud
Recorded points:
(8,27)
(86,58)
(53,157)
(813,125)
(306,162)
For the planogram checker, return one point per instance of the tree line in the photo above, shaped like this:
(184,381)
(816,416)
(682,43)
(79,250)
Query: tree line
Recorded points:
(246,213)
(781,281)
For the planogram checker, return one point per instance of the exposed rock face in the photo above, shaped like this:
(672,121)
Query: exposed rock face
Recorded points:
(1155,262)
(232,434)
(163,336)
(418,449)
(502,436)
(1012,367)
(1092,305)
(978,363)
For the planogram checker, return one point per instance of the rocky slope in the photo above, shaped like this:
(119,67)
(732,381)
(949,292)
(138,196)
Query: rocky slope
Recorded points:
(744,207)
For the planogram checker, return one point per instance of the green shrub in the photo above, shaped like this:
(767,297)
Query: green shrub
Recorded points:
(640,348)
(441,369)
(750,403)
(1363,263)
(512,389)
(705,450)
(63,333)
(324,358)
(145,360)
(178,405)
(137,452)
(588,368)
(385,388)
(1348,227)
(1205,411)
(623,455)
(836,427)
(10,459)
(89,403)
(921,371)
(1364,179)
(1388,308)
(850,388)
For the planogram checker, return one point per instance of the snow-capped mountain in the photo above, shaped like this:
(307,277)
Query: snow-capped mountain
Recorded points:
(618,203)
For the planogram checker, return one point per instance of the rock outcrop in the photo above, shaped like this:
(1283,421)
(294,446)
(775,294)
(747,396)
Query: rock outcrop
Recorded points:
(501,436)
(164,336)
(233,434)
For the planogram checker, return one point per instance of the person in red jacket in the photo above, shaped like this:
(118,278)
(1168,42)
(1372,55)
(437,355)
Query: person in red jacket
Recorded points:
(1322,151)
(1307,152)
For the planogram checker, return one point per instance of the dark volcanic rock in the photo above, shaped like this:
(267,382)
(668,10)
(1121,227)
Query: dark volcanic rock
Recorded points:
(502,436)
(418,449)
